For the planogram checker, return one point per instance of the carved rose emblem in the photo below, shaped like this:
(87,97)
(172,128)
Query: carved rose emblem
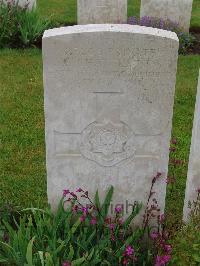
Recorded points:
(107,143)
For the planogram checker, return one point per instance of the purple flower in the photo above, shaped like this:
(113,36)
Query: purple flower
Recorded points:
(172,149)
(162,24)
(174,141)
(198,190)
(129,251)
(154,235)
(118,209)
(79,190)
(75,208)
(145,21)
(112,226)
(65,192)
(162,260)
(66,263)
(84,210)
(93,221)
(168,248)
(133,20)
(125,261)
(112,237)
(162,218)
(82,218)
(121,221)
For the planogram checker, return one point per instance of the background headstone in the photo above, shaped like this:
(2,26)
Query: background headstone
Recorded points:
(23,3)
(193,178)
(102,11)
(176,10)
(109,92)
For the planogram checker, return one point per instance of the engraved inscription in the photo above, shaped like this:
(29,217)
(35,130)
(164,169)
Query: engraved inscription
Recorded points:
(107,143)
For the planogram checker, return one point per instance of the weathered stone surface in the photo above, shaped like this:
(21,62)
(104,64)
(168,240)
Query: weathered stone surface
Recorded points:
(102,11)
(29,3)
(109,92)
(176,10)
(193,178)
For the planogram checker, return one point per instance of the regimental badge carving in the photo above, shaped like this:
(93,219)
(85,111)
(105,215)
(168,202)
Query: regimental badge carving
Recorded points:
(107,143)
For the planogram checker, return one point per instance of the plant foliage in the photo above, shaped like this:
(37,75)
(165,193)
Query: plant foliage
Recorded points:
(20,27)
(186,40)
(76,234)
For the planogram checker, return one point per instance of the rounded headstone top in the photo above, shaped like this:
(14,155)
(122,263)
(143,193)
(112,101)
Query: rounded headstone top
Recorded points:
(126,28)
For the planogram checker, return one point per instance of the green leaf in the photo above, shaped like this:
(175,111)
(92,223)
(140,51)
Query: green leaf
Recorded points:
(48,260)
(89,257)
(75,226)
(3,260)
(97,200)
(29,253)
(71,252)
(78,261)
(196,258)
(134,213)
(41,255)
(107,201)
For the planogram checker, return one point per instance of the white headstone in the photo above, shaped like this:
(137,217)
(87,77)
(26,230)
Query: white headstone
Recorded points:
(102,11)
(193,178)
(30,4)
(109,92)
(176,10)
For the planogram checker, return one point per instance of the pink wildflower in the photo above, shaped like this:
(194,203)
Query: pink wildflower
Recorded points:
(85,210)
(75,208)
(66,263)
(154,235)
(79,190)
(65,192)
(112,226)
(118,209)
(112,237)
(121,221)
(125,261)
(93,221)
(162,260)
(162,218)
(168,248)
(108,220)
(129,251)
(82,218)
(174,141)
(172,149)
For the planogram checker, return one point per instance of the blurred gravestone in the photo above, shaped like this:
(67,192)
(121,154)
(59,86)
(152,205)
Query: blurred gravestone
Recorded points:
(175,10)
(30,4)
(193,179)
(102,11)
(109,92)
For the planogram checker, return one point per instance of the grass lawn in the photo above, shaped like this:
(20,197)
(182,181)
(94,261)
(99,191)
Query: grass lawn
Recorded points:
(185,97)
(64,11)
(22,160)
